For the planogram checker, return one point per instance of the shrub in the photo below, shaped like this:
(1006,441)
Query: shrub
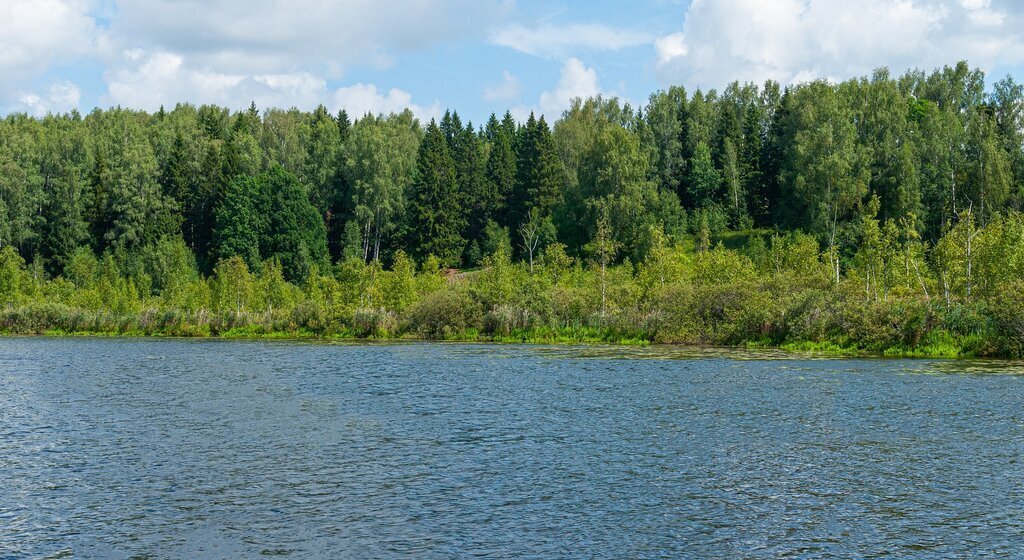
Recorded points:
(1006,307)
(378,323)
(445,314)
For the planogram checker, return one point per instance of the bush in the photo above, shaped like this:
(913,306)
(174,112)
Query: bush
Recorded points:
(445,314)
(503,320)
(376,323)
(1006,308)
(677,321)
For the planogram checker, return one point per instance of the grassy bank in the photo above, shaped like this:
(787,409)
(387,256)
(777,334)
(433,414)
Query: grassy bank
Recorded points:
(783,294)
(58,320)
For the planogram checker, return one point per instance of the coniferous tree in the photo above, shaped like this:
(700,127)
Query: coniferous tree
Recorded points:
(1008,111)
(703,180)
(295,233)
(501,170)
(539,172)
(478,197)
(340,212)
(665,111)
(435,216)
(240,221)
(64,168)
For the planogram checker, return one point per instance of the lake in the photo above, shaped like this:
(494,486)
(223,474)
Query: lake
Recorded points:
(118,448)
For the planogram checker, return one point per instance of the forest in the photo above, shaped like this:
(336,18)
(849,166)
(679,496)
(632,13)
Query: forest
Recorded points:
(875,214)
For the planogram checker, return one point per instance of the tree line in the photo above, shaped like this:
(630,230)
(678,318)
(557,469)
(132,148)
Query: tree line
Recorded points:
(894,181)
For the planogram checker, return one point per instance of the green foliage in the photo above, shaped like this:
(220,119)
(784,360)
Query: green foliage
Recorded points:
(886,208)
(380,156)
(296,235)
(231,286)
(269,217)
(240,221)
(495,239)
(703,181)
(434,206)
(445,314)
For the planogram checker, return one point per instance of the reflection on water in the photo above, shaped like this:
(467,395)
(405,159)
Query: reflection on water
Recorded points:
(214,449)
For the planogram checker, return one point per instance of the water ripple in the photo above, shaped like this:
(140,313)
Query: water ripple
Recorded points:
(214,449)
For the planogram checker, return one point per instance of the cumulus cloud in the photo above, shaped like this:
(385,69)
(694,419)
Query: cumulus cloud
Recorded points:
(158,52)
(275,53)
(556,41)
(795,40)
(981,13)
(509,88)
(59,97)
(361,99)
(147,80)
(671,47)
(34,35)
(576,81)
(298,53)
(260,36)
(37,33)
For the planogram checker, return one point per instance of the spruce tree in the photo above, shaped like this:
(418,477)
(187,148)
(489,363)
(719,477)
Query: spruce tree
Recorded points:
(501,171)
(240,222)
(295,236)
(477,195)
(539,173)
(704,180)
(435,215)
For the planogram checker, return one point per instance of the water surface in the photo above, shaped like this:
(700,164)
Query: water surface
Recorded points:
(119,448)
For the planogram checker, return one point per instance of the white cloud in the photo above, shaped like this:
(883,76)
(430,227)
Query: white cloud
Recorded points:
(157,52)
(37,33)
(980,12)
(509,88)
(58,98)
(148,80)
(576,81)
(317,36)
(557,41)
(360,99)
(670,47)
(281,54)
(795,40)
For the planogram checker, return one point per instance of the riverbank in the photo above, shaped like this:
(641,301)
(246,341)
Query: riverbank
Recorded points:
(714,298)
(59,321)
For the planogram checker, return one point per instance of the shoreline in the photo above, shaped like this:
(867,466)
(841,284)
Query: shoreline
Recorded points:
(795,349)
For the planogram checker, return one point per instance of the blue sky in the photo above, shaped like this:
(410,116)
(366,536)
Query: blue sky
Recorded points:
(476,56)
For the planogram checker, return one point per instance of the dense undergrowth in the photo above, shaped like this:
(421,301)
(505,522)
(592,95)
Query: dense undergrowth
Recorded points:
(780,293)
